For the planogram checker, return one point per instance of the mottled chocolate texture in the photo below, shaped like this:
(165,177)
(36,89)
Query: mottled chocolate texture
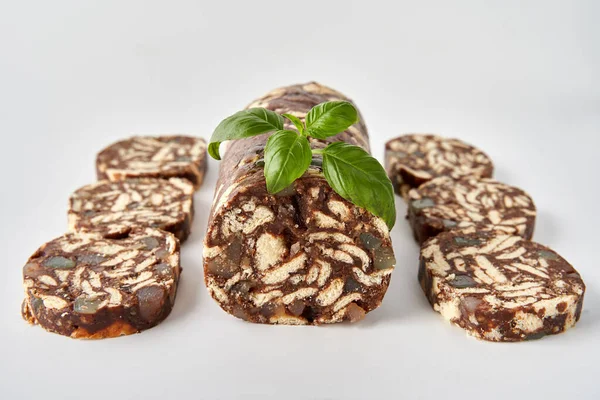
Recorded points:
(154,157)
(113,209)
(414,159)
(85,286)
(499,287)
(303,256)
(444,204)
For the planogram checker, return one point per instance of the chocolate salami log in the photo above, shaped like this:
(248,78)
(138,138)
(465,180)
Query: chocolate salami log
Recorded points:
(303,256)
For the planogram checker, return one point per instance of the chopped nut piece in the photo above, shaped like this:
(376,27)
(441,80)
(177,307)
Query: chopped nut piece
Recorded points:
(354,312)
(152,301)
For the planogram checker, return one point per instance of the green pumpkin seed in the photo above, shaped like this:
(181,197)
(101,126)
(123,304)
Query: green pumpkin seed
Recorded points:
(384,258)
(150,242)
(548,255)
(463,281)
(448,223)
(369,241)
(36,305)
(59,262)
(422,203)
(461,241)
(86,305)
(535,336)
(163,269)
(162,254)
(91,259)
(352,286)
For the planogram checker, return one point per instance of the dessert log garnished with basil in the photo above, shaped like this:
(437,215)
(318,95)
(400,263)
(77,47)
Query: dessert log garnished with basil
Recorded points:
(299,228)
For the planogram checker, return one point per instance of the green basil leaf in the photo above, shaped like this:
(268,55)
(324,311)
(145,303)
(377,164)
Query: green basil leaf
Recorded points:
(213,150)
(330,118)
(359,178)
(296,121)
(287,157)
(243,124)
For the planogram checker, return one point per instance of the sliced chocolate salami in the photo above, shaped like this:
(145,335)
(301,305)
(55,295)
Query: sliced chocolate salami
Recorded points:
(154,157)
(113,209)
(444,203)
(414,159)
(499,287)
(303,256)
(83,285)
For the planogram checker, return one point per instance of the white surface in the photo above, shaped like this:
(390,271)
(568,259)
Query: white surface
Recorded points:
(518,79)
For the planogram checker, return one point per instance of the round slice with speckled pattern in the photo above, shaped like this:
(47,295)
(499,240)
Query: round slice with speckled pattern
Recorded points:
(83,285)
(154,157)
(414,159)
(499,287)
(113,209)
(444,204)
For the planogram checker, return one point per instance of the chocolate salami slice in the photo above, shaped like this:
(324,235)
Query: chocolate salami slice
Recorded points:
(154,157)
(444,204)
(85,286)
(303,256)
(499,287)
(414,159)
(113,209)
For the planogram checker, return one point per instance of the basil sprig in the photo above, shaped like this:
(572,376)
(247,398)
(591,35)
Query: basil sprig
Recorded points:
(287,157)
(352,172)
(244,124)
(330,118)
(358,177)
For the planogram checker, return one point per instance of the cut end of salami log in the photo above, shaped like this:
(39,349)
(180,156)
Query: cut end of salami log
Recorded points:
(85,286)
(154,157)
(499,287)
(304,256)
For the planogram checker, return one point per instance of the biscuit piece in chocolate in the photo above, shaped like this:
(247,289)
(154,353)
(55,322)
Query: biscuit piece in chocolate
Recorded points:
(85,286)
(114,208)
(154,157)
(414,159)
(444,203)
(303,256)
(499,287)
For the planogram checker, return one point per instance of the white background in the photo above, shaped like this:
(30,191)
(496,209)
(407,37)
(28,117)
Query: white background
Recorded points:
(518,79)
